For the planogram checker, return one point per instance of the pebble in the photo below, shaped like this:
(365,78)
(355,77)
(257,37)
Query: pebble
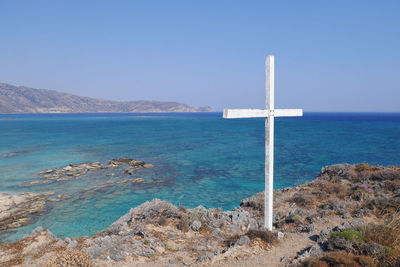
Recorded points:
(280,235)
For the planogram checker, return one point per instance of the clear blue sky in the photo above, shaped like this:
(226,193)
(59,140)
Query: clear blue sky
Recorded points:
(329,55)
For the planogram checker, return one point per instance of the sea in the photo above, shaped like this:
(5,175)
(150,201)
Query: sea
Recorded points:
(198,158)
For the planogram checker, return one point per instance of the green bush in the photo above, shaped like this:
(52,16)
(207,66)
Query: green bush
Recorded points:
(389,251)
(350,235)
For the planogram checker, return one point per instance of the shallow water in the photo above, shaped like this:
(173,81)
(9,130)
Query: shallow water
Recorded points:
(199,159)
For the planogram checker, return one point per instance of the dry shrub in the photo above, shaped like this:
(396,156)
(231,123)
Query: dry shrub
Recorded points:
(256,236)
(385,235)
(257,242)
(391,260)
(302,199)
(158,235)
(384,205)
(260,238)
(265,235)
(340,190)
(204,230)
(365,167)
(182,209)
(71,258)
(162,221)
(15,251)
(341,258)
(314,263)
(328,188)
(386,174)
(365,172)
(392,185)
(365,261)
(183,224)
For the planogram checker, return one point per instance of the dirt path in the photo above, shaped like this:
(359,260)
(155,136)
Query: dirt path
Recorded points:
(288,247)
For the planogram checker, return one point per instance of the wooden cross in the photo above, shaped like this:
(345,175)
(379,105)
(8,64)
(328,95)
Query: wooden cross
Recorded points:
(268,113)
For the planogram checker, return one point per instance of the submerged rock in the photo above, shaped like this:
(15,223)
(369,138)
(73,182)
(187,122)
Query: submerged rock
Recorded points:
(8,155)
(138,180)
(36,182)
(76,170)
(59,197)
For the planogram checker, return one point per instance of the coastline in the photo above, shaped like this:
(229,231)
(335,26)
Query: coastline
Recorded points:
(158,233)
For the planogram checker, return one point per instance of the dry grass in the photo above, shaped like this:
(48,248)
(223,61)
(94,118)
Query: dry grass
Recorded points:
(391,260)
(257,242)
(329,188)
(385,235)
(392,185)
(261,238)
(183,224)
(264,235)
(383,205)
(205,231)
(71,258)
(365,167)
(16,249)
(341,258)
(182,209)
(162,221)
(302,199)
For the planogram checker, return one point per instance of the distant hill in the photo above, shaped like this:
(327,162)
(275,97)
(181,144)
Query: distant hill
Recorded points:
(21,99)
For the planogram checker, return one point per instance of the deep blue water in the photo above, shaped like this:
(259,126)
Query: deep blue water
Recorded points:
(198,158)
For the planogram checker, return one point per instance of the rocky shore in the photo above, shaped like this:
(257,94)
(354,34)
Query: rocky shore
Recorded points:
(15,209)
(347,216)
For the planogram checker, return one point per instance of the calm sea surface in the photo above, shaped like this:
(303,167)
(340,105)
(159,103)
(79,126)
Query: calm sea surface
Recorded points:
(199,159)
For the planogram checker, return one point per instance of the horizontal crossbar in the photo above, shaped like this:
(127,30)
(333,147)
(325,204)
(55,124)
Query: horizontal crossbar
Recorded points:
(261,113)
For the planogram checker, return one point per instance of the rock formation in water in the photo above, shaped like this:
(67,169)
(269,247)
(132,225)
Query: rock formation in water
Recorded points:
(76,170)
(15,209)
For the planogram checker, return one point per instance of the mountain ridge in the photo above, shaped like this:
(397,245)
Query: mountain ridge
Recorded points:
(23,99)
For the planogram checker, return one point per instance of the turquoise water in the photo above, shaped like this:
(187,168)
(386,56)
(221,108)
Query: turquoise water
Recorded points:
(198,159)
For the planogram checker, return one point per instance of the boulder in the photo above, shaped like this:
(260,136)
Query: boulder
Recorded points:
(242,241)
(325,233)
(339,243)
(195,226)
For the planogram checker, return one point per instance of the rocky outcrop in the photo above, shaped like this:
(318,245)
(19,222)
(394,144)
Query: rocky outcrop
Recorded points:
(15,209)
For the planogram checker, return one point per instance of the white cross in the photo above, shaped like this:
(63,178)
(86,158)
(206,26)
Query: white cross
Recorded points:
(268,113)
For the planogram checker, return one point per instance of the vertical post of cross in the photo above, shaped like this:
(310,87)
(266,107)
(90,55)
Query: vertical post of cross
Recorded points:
(269,142)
